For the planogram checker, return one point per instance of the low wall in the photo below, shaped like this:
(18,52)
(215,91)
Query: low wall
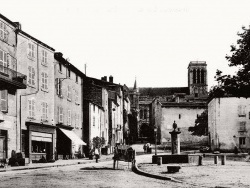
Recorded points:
(176,158)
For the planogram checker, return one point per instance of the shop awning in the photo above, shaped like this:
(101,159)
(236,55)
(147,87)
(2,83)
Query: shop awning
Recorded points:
(73,137)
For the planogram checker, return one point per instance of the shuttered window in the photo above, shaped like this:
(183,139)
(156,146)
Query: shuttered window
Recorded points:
(69,117)
(31,50)
(44,111)
(31,106)
(3,62)
(4,100)
(3,32)
(69,93)
(76,97)
(60,114)
(242,111)
(44,81)
(59,87)
(44,57)
(31,76)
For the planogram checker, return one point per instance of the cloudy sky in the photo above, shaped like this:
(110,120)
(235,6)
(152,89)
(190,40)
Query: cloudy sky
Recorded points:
(152,40)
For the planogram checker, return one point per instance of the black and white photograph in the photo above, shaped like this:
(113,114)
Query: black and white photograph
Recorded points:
(125,93)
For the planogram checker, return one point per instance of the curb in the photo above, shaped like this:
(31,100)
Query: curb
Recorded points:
(136,170)
(50,166)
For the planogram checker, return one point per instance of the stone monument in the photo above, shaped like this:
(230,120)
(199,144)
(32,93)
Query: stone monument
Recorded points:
(175,140)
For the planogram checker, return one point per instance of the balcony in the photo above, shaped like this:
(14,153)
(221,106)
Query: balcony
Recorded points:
(10,79)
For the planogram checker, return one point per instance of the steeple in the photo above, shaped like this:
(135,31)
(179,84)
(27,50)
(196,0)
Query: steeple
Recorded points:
(135,86)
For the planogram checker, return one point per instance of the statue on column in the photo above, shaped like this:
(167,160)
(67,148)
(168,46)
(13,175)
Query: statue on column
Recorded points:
(175,139)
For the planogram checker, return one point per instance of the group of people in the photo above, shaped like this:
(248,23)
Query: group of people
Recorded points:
(147,148)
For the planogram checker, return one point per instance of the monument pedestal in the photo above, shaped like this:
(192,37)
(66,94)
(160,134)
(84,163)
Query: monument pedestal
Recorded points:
(175,141)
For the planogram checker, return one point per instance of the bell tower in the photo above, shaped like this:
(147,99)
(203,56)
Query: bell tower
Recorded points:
(197,79)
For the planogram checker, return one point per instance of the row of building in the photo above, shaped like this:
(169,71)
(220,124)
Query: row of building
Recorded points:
(49,107)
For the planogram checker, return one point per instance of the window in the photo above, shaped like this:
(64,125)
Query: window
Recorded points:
(31,76)
(60,67)
(3,32)
(59,87)
(44,111)
(242,140)
(77,121)
(94,121)
(31,104)
(4,100)
(76,79)
(68,73)
(77,97)
(60,114)
(31,50)
(69,117)
(44,57)
(242,111)
(44,81)
(179,116)
(3,62)
(242,126)
(69,93)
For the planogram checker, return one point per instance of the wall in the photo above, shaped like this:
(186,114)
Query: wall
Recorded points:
(10,118)
(35,91)
(224,119)
(186,119)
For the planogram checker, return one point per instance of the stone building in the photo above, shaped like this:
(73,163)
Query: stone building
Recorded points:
(68,108)
(179,104)
(229,123)
(10,82)
(36,102)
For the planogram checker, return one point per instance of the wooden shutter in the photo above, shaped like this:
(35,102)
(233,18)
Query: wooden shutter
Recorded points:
(30,107)
(33,108)
(1,30)
(5,33)
(46,80)
(1,61)
(43,80)
(33,76)
(30,75)
(5,63)
(4,100)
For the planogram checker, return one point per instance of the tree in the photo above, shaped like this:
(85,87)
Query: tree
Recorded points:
(237,85)
(98,142)
(201,125)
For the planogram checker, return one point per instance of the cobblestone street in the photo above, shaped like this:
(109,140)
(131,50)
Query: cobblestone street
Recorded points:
(86,175)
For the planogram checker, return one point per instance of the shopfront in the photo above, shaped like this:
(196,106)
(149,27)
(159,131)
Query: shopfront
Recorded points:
(41,141)
(69,145)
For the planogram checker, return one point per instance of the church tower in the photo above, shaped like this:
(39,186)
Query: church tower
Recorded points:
(197,79)
(134,95)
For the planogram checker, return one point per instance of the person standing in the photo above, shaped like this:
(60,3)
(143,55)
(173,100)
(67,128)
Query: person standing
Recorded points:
(97,155)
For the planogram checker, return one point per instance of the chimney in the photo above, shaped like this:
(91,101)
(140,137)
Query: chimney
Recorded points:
(105,78)
(111,79)
(58,54)
(18,25)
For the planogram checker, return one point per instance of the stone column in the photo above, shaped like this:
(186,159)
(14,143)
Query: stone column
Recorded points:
(175,141)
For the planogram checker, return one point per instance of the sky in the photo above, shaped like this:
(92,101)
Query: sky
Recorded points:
(151,41)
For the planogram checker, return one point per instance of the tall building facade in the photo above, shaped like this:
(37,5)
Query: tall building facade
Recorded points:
(11,81)
(68,108)
(36,102)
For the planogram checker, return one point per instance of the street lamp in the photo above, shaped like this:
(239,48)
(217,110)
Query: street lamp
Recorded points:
(155,130)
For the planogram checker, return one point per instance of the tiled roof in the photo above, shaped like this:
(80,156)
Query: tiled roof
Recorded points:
(153,92)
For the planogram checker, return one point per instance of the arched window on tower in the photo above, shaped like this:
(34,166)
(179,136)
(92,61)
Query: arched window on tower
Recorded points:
(202,76)
(194,76)
(198,76)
